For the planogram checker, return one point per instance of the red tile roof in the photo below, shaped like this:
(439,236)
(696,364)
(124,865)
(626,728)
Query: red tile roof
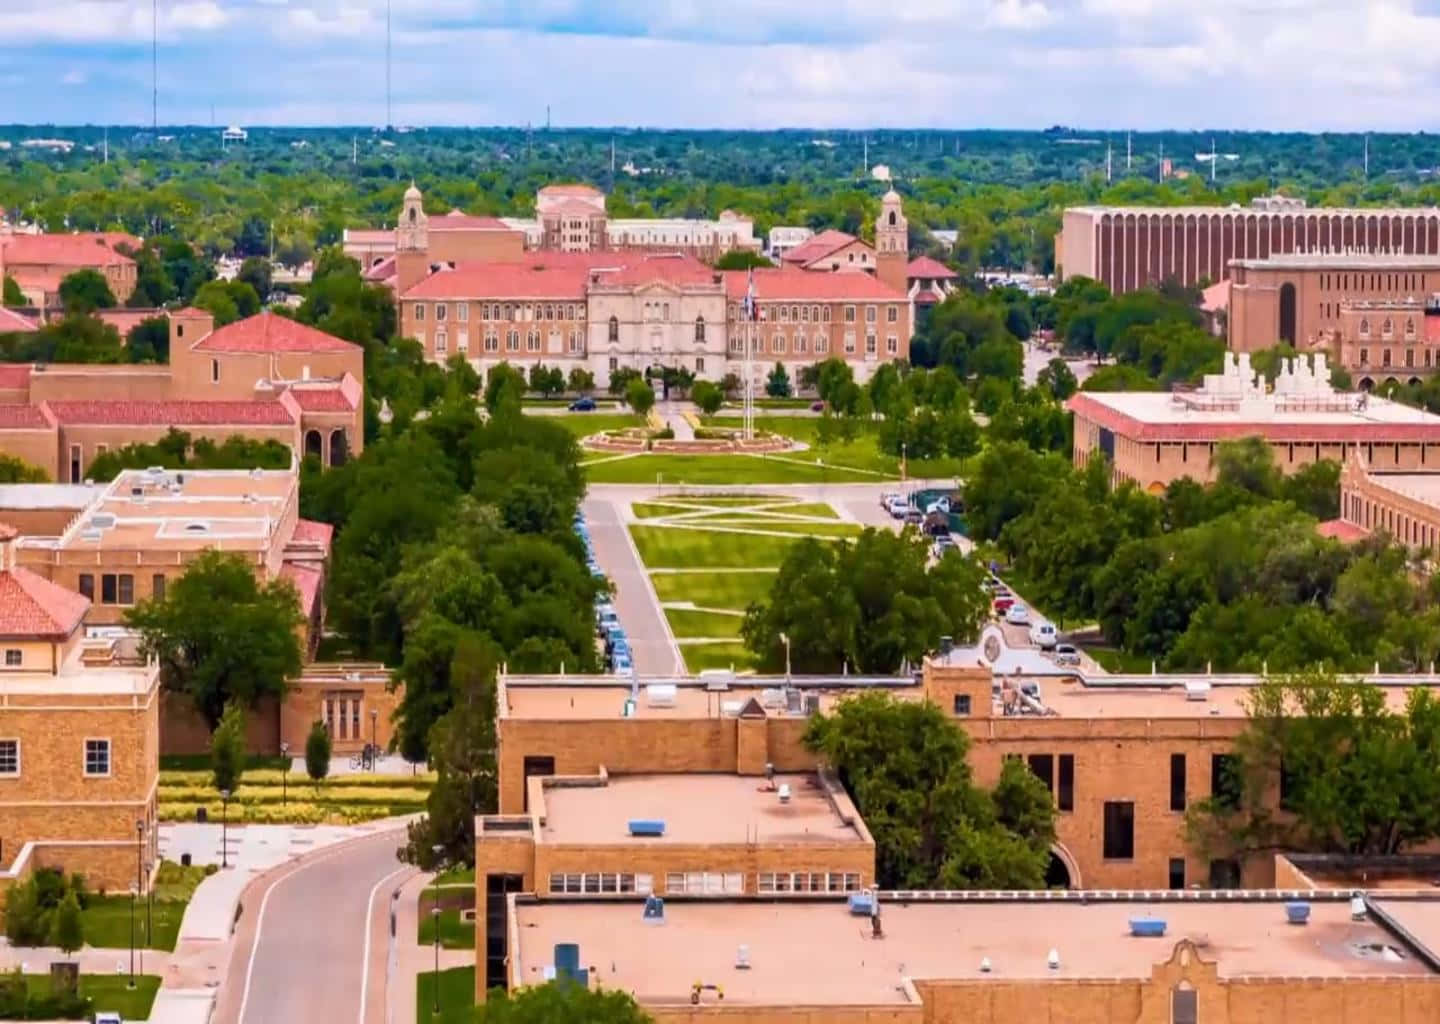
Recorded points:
(538,280)
(382,271)
(180,414)
(270,332)
(783,283)
(1339,529)
(22,417)
(929,269)
(125,320)
(12,322)
(457,220)
(673,268)
(33,607)
(309,531)
(307,583)
(322,399)
(925,297)
(820,245)
(1216,297)
(575,208)
(83,250)
(14,376)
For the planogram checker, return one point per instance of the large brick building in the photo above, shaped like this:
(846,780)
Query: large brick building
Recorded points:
(266,377)
(79,737)
(38,263)
(1128,247)
(1152,438)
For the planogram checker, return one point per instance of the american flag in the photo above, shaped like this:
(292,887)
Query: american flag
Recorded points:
(750,295)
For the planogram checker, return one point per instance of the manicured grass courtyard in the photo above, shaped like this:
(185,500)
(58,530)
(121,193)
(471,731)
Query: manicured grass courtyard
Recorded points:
(699,657)
(707,470)
(666,547)
(735,590)
(109,992)
(863,453)
(457,996)
(454,933)
(800,529)
(583,424)
(687,622)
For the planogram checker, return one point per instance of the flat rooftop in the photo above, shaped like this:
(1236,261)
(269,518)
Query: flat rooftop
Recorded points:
(48,496)
(1341,261)
(817,953)
(698,809)
(1420,486)
(599,697)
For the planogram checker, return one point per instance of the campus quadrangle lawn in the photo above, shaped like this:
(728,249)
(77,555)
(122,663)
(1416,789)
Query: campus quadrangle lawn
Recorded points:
(685,622)
(699,657)
(669,547)
(109,992)
(583,424)
(714,589)
(709,470)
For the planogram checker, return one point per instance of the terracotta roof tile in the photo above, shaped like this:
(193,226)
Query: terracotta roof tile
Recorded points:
(457,220)
(310,531)
(929,269)
(322,399)
(1340,530)
(81,250)
(540,280)
(32,606)
(783,283)
(180,414)
(22,417)
(12,322)
(270,332)
(307,583)
(570,190)
(820,245)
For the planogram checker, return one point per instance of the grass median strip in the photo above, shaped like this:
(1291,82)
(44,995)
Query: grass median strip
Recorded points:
(690,622)
(705,470)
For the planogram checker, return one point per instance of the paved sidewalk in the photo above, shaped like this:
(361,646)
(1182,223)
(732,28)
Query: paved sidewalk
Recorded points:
(409,959)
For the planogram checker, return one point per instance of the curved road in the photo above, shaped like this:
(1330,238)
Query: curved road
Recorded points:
(313,938)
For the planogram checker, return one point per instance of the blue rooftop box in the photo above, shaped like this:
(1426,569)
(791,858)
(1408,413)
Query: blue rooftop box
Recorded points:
(647,827)
(862,904)
(1147,927)
(1297,912)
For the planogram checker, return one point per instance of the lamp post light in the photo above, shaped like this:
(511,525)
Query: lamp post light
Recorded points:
(374,746)
(224,828)
(132,937)
(435,918)
(149,912)
(284,772)
(785,639)
(140,871)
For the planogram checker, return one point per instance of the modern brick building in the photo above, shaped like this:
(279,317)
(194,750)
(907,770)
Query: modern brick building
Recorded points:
(79,737)
(38,263)
(266,377)
(1153,438)
(1129,247)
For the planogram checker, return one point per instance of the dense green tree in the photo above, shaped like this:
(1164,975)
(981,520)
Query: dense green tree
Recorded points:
(906,766)
(67,929)
(639,396)
(84,291)
(1120,378)
(580,381)
(504,387)
(13,296)
(227,301)
(256,272)
(1057,379)
(177,450)
(707,396)
(620,380)
(149,341)
(317,751)
(227,749)
(222,636)
(741,259)
(17,471)
(559,1002)
(777,384)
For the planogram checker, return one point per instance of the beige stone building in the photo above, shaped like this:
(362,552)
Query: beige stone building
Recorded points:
(1152,438)
(38,263)
(1405,506)
(79,738)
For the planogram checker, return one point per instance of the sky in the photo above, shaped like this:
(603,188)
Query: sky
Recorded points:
(1305,65)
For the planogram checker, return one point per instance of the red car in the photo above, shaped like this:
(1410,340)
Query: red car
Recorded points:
(1002,604)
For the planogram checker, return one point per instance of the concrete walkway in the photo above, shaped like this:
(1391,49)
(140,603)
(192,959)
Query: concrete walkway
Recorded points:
(673,413)
(409,959)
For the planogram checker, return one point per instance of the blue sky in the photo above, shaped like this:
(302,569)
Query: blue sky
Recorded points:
(1106,64)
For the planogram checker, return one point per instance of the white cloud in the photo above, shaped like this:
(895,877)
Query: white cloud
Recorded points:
(1019,14)
(75,77)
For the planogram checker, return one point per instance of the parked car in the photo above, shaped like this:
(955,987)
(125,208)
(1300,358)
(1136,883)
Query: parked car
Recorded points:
(1017,614)
(1002,603)
(1042,634)
(817,406)
(914,516)
(582,405)
(1066,654)
(886,497)
(897,507)
(939,505)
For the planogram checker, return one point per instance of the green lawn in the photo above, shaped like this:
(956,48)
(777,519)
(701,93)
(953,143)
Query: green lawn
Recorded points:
(201,763)
(457,996)
(729,500)
(454,933)
(699,657)
(110,992)
(665,547)
(706,470)
(863,453)
(685,622)
(457,876)
(786,526)
(107,918)
(714,589)
(1112,659)
(583,424)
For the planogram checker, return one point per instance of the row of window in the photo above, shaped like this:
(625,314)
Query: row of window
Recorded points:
(95,759)
(1387,328)
(782,313)
(441,341)
(1386,357)
(1410,283)
(119,587)
(503,311)
(704,883)
(778,344)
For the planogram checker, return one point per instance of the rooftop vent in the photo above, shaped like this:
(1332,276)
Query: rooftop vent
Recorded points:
(1197,689)
(660,695)
(647,827)
(1297,912)
(947,644)
(89,533)
(1147,927)
(1357,907)
(742,958)
(784,792)
(1053,960)
(197,527)
(654,912)
(102,520)
(984,965)
(717,678)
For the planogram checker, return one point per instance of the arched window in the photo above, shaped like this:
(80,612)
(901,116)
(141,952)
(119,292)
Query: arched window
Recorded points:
(614,328)
(1387,328)
(1410,328)
(339,449)
(1364,327)
(314,445)
(699,330)
(1183,1009)
(1287,312)
(892,218)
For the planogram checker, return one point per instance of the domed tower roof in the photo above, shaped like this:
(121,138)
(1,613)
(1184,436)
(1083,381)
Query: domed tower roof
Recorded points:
(891,197)
(412,192)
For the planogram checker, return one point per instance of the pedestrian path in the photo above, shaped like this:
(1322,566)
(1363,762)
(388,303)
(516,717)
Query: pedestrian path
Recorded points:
(409,959)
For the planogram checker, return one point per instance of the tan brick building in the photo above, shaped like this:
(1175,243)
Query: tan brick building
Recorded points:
(266,377)
(38,263)
(79,737)
(1406,506)
(1152,438)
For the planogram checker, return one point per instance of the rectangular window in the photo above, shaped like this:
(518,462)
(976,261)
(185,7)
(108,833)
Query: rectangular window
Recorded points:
(87,585)
(14,657)
(157,586)
(892,314)
(419,312)
(462,312)
(1225,780)
(1288,787)
(440,311)
(1177,872)
(962,704)
(108,588)
(127,588)
(9,757)
(1042,766)
(1119,830)
(822,343)
(892,345)
(97,757)
(850,342)
(441,343)
(1177,782)
(869,344)
(1065,794)
(849,314)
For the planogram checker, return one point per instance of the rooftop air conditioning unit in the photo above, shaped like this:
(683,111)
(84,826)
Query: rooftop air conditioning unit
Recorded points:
(660,695)
(812,704)
(102,520)
(89,534)
(1197,689)
(784,792)
(772,698)
(794,701)
(717,679)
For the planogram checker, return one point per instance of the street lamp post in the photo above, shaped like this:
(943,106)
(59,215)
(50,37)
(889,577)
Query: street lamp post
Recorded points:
(785,639)
(132,936)
(224,828)
(435,919)
(284,771)
(149,912)
(374,746)
(140,871)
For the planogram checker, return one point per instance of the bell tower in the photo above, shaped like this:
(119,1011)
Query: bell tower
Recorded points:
(412,242)
(892,243)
